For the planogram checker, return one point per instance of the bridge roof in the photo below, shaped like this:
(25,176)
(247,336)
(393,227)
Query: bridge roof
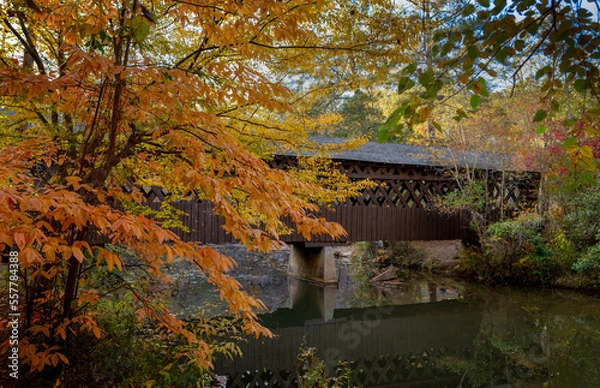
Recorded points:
(404,154)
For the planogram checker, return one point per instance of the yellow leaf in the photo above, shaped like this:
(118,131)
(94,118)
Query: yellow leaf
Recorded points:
(587,152)
(424,113)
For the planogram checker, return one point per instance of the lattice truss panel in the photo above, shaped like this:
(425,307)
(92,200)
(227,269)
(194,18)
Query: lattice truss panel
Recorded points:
(399,186)
(385,371)
(518,190)
(261,378)
(417,368)
(410,186)
(417,186)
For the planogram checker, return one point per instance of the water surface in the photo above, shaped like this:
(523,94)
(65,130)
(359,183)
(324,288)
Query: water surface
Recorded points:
(424,332)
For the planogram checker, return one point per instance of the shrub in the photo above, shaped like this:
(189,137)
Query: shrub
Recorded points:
(132,354)
(516,250)
(312,374)
(582,217)
(589,262)
(563,251)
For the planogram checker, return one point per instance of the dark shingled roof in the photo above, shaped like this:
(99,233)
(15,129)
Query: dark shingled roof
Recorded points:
(403,154)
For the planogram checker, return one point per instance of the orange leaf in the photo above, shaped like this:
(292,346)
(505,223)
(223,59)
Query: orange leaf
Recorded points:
(20,240)
(78,254)
(63,358)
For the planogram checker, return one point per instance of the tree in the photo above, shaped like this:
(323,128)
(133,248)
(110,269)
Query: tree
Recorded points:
(357,115)
(103,97)
(368,40)
(556,42)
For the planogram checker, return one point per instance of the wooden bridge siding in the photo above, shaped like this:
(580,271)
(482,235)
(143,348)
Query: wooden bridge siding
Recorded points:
(389,223)
(361,222)
(204,226)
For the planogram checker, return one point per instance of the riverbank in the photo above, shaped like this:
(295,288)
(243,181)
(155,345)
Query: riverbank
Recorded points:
(451,258)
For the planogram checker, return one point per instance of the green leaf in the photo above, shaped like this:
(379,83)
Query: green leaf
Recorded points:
(501,56)
(433,90)
(426,78)
(468,10)
(382,135)
(405,84)
(394,117)
(484,90)
(581,85)
(570,122)
(569,142)
(572,185)
(587,163)
(437,125)
(540,115)
(141,28)
(587,178)
(484,3)
(499,6)
(590,131)
(540,129)
(533,28)
(475,101)
(473,52)
(410,68)
(541,72)
(594,112)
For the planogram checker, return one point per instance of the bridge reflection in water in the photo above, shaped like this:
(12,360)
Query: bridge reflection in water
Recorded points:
(386,346)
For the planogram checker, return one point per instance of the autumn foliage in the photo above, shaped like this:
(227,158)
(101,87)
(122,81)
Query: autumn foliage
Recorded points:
(100,98)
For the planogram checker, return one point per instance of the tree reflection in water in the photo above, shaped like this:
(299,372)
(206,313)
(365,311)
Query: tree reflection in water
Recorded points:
(531,338)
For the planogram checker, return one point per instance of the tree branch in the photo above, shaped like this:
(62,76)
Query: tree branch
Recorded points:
(27,43)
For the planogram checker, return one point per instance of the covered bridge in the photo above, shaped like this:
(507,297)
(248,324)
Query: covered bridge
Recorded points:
(400,207)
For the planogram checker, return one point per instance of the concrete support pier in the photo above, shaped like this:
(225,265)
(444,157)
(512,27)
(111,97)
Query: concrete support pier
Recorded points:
(315,264)
(314,300)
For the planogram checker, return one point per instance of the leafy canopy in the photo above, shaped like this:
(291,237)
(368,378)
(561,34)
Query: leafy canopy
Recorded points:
(101,97)
(498,43)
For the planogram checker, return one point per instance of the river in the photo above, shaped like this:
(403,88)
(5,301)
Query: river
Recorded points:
(424,331)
